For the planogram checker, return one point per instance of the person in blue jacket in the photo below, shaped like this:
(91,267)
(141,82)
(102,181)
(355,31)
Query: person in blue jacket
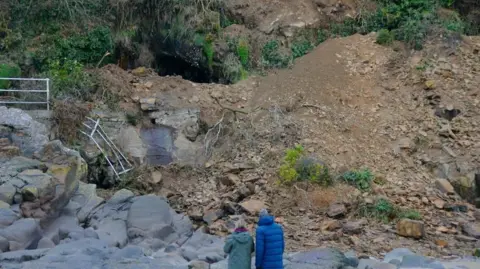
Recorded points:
(269,243)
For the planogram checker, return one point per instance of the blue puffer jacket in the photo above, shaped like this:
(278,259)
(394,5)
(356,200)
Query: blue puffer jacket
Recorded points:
(269,244)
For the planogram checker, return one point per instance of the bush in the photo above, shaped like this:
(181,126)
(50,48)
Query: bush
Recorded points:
(385,37)
(301,47)
(361,179)
(208,50)
(8,71)
(69,79)
(298,167)
(272,57)
(233,70)
(386,211)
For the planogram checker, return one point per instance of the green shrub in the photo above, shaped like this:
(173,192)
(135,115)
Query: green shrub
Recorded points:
(447,3)
(382,210)
(322,36)
(298,167)
(132,118)
(361,179)
(8,71)
(410,214)
(243,52)
(385,37)
(301,47)
(69,79)
(386,211)
(272,57)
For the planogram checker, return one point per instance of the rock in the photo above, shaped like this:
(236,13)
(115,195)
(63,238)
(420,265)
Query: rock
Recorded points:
(203,247)
(4,205)
(156,177)
(471,229)
(4,245)
(331,225)
(253,207)
(411,228)
(397,255)
(429,85)
(212,215)
(336,210)
(18,198)
(439,203)
(198,265)
(140,71)
(405,143)
(354,227)
(416,261)
(86,196)
(131,144)
(22,233)
(121,196)
(7,192)
(374,264)
(45,243)
(36,179)
(244,191)
(464,238)
(441,243)
(26,133)
(29,193)
(229,179)
(148,104)
(114,232)
(444,185)
(319,258)
(7,217)
(90,233)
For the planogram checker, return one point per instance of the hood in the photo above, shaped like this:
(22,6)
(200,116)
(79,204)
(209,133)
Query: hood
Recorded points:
(265,221)
(241,238)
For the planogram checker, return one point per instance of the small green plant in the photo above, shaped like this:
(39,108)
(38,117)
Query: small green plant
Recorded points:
(385,37)
(362,179)
(301,47)
(243,52)
(382,210)
(232,69)
(131,118)
(272,57)
(447,3)
(410,214)
(208,49)
(322,36)
(298,167)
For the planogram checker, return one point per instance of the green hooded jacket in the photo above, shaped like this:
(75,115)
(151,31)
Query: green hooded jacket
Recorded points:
(239,247)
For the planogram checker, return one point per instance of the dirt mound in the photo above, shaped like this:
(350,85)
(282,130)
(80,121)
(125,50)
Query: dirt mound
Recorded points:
(409,117)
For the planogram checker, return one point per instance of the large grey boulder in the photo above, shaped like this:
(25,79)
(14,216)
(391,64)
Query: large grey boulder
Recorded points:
(22,234)
(86,197)
(325,258)
(204,247)
(27,134)
(7,217)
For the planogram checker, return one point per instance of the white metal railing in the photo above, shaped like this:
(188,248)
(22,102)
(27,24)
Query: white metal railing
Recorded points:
(118,162)
(47,91)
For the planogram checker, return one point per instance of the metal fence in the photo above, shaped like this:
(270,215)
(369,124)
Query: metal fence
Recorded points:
(46,91)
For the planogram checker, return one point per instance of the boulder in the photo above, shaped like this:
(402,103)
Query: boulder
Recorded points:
(26,133)
(471,229)
(336,210)
(354,227)
(45,243)
(4,205)
(397,255)
(114,232)
(23,232)
(39,184)
(444,186)
(7,217)
(3,244)
(203,247)
(253,207)
(86,197)
(7,191)
(411,228)
(130,142)
(145,212)
(319,258)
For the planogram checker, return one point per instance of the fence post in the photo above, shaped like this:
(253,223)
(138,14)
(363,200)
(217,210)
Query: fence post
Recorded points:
(48,94)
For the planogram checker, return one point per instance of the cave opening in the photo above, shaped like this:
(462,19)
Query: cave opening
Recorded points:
(167,65)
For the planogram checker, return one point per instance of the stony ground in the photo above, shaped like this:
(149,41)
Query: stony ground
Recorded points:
(411,117)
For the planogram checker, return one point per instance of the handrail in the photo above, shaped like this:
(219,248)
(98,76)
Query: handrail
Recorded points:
(47,91)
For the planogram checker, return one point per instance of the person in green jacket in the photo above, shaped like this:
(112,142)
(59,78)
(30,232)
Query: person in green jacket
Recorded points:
(239,246)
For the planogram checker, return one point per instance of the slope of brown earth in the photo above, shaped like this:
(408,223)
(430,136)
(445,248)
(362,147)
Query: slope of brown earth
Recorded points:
(352,104)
